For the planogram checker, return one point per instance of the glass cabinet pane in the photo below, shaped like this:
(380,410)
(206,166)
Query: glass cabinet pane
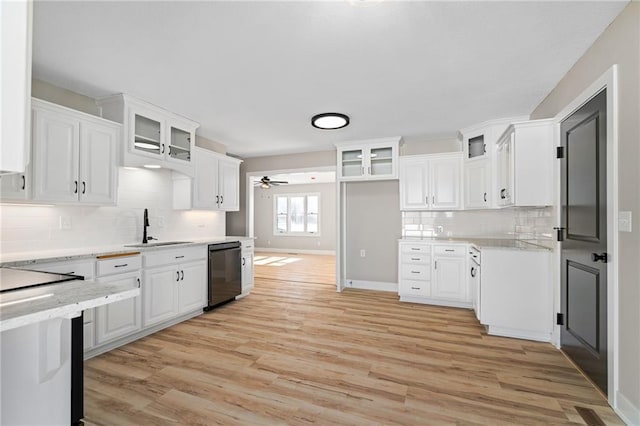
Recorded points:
(477,147)
(381,161)
(352,163)
(180,144)
(147,135)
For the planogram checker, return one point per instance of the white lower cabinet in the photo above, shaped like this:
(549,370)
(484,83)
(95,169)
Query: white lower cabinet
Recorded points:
(177,287)
(247,266)
(433,273)
(449,278)
(120,318)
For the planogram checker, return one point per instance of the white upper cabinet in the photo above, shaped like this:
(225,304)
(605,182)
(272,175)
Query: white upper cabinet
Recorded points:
(74,156)
(375,159)
(431,182)
(477,184)
(15,129)
(215,185)
(15,187)
(524,164)
(152,135)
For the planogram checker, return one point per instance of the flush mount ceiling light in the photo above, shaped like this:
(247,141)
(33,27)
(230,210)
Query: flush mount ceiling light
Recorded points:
(330,121)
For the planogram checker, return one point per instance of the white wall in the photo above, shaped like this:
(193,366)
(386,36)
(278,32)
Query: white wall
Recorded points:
(27,228)
(263,218)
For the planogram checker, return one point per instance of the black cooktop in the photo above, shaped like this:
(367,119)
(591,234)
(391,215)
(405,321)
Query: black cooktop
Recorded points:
(16,279)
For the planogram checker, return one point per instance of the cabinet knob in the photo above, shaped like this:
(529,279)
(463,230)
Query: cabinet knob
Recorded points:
(75,191)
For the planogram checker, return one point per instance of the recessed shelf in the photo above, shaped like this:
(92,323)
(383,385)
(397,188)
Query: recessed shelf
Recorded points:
(141,138)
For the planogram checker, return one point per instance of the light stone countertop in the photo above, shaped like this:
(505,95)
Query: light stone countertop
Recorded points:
(491,243)
(59,300)
(24,259)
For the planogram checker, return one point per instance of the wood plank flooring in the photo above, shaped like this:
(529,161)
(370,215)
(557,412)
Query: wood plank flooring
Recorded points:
(297,352)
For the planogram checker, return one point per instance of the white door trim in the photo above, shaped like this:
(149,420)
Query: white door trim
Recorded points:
(608,80)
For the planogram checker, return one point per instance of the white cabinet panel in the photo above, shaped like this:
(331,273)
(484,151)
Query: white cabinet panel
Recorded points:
(205,182)
(228,185)
(414,288)
(416,272)
(98,148)
(445,183)
(55,156)
(160,294)
(477,187)
(431,182)
(192,287)
(88,331)
(119,318)
(14,186)
(450,278)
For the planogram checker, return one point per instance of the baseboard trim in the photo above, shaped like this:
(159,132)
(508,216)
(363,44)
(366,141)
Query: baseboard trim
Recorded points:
(295,251)
(519,334)
(629,413)
(370,285)
(138,335)
(438,302)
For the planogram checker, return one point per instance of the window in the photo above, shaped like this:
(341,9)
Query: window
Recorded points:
(297,214)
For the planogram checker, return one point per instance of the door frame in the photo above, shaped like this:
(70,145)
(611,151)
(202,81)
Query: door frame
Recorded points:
(609,81)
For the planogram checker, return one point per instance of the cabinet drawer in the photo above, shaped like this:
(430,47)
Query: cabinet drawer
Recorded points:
(450,250)
(415,248)
(416,258)
(83,268)
(88,331)
(246,244)
(167,257)
(414,288)
(416,272)
(118,265)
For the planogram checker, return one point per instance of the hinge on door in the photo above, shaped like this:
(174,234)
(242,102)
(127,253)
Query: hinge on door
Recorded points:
(560,152)
(559,233)
(559,318)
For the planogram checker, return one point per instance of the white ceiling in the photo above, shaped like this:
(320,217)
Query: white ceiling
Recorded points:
(302,178)
(253,73)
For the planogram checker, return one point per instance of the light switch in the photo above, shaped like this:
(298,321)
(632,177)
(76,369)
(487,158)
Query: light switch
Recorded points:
(624,221)
(363,253)
(65,222)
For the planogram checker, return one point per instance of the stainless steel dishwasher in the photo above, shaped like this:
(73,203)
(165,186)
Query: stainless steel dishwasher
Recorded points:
(225,273)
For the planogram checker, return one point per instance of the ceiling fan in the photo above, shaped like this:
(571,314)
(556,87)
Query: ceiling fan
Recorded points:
(265,182)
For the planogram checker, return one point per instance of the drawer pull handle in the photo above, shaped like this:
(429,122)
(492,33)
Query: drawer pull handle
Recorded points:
(415,249)
(179,257)
(415,272)
(415,288)
(120,266)
(449,250)
(415,258)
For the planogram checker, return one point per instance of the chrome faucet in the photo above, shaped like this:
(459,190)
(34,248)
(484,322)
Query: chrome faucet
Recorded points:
(145,223)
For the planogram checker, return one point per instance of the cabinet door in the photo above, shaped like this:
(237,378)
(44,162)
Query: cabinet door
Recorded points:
(119,318)
(247,270)
(229,185)
(351,164)
(98,166)
(205,182)
(504,169)
(192,287)
(160,294)
(146,133)
(445,184)
(381,161)
(450,279)
(14,186)
(477,184)
(55,157)
(180,143)
(414,184)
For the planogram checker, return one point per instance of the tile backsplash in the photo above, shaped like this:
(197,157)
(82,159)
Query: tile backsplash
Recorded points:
(522,223)
(27,228)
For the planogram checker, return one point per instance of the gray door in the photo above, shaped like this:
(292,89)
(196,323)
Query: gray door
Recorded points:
(584,219)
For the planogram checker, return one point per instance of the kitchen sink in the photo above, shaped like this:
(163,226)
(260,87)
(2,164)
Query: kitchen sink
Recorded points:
(158,244)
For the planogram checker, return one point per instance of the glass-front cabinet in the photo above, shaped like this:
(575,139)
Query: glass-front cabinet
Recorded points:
(153,136)
(375,159)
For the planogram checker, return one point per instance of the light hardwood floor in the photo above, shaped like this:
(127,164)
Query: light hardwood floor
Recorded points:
(297,352)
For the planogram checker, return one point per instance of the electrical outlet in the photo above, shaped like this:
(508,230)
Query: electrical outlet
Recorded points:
(65,222)
(363,253)
(160,221)
(201,225)
(624,221)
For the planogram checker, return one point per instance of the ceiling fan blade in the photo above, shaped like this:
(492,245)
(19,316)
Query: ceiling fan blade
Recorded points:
(278,181)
